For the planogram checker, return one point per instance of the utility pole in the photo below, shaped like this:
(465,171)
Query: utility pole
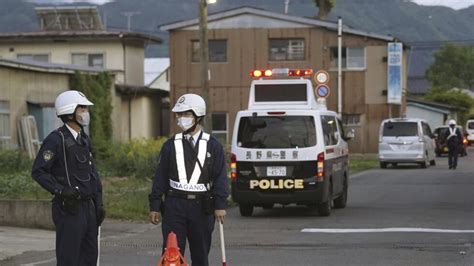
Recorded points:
(204,57)
(287,3)
(129,15)
(339,66)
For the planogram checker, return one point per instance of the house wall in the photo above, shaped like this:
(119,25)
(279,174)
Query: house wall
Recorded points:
(133,61)
(124,58)
(143,116)
(162,82)
(247,49)
(434,119)
(19,86)
(61,52)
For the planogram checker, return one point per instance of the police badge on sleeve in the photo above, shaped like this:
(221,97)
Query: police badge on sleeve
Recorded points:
(48,155)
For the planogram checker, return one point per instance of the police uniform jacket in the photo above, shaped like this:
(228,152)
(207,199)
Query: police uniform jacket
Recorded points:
(49,168)
(454,140)
(213,171)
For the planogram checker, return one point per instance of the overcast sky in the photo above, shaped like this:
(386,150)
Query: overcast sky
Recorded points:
(456,4)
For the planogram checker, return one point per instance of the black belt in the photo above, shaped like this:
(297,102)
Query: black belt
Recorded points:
(183,195)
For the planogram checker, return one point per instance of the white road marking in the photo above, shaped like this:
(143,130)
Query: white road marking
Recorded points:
(39,262)
(385,230)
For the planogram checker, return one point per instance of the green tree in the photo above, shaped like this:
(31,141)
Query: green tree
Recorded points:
(324,7)
(453,68)
(454,97)
(97,89)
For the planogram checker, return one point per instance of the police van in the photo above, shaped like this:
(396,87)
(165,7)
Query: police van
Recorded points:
(287,147)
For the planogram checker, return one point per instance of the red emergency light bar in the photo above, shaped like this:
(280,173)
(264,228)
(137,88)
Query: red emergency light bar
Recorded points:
(281,72)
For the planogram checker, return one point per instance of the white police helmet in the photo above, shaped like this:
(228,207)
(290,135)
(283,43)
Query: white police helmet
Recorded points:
(452,122)
(67,101)
(190,102)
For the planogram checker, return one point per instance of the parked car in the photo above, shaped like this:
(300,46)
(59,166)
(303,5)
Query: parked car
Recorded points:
(442,147)
(406,140)
(470,131)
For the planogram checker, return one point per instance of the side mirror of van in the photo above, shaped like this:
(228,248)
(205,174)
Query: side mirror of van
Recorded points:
(350,134)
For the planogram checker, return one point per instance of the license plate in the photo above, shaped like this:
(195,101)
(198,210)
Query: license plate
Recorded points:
(276,171)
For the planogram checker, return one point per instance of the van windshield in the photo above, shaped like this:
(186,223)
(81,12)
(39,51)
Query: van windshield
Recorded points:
(276,132)
(400,129)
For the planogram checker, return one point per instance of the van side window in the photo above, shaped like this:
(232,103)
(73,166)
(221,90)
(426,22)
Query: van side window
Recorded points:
(341,128)
(330,132)
(426,130)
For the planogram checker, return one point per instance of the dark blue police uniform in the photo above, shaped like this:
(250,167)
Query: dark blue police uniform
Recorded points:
(75,220)
(453,143)
(186,213)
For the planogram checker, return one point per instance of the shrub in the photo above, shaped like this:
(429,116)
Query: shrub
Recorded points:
(12,161)
(20,185)
(138,157)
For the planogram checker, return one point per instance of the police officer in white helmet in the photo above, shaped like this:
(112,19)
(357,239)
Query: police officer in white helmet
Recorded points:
(454,138)
(192,178)
(65,168)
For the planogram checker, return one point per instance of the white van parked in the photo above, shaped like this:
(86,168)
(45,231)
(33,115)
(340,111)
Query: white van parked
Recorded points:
(406,140)
(286,148)
(470,131)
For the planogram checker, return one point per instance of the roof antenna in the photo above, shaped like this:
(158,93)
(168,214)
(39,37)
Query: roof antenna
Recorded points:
(287,3)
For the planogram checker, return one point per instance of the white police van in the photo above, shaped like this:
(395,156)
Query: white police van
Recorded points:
(287,147)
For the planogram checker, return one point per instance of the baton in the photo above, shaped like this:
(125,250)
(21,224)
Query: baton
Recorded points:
(98,247)
(221,232)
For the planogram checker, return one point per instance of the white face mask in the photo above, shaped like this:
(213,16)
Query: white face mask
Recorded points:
(84,119)
(185,123)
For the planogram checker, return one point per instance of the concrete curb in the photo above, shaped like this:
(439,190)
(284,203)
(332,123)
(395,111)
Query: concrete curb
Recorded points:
(26,213)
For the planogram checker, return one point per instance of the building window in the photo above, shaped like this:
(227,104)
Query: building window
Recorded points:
(33,57)
(286,49)
(5,134)
(219,127)
(91,60)
(217,51)
(352,57)
(351,119)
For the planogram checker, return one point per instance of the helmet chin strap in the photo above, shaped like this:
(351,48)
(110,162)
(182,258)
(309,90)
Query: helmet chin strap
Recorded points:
(74,119)
(191,129)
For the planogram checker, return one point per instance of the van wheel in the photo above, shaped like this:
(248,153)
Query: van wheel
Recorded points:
(341,201)
(423,165)
(433,162)
(324,209)
(383,165)
(245,210)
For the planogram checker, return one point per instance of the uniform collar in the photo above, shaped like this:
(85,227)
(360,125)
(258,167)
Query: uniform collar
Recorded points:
(73,132)
(195,136)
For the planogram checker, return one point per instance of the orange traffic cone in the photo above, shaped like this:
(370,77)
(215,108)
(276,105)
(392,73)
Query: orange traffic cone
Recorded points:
(172,256)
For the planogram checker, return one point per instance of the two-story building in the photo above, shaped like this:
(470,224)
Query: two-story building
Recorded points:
(244,39)
(76,36)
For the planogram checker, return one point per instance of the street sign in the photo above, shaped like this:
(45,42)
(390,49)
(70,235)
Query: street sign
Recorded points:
(322,91)
(321,77)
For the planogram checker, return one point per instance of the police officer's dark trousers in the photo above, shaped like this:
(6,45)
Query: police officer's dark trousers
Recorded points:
(186,218)
(76,235)
(453,155)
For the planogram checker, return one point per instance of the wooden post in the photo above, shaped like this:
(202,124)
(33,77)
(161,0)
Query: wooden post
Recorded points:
(204,57)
